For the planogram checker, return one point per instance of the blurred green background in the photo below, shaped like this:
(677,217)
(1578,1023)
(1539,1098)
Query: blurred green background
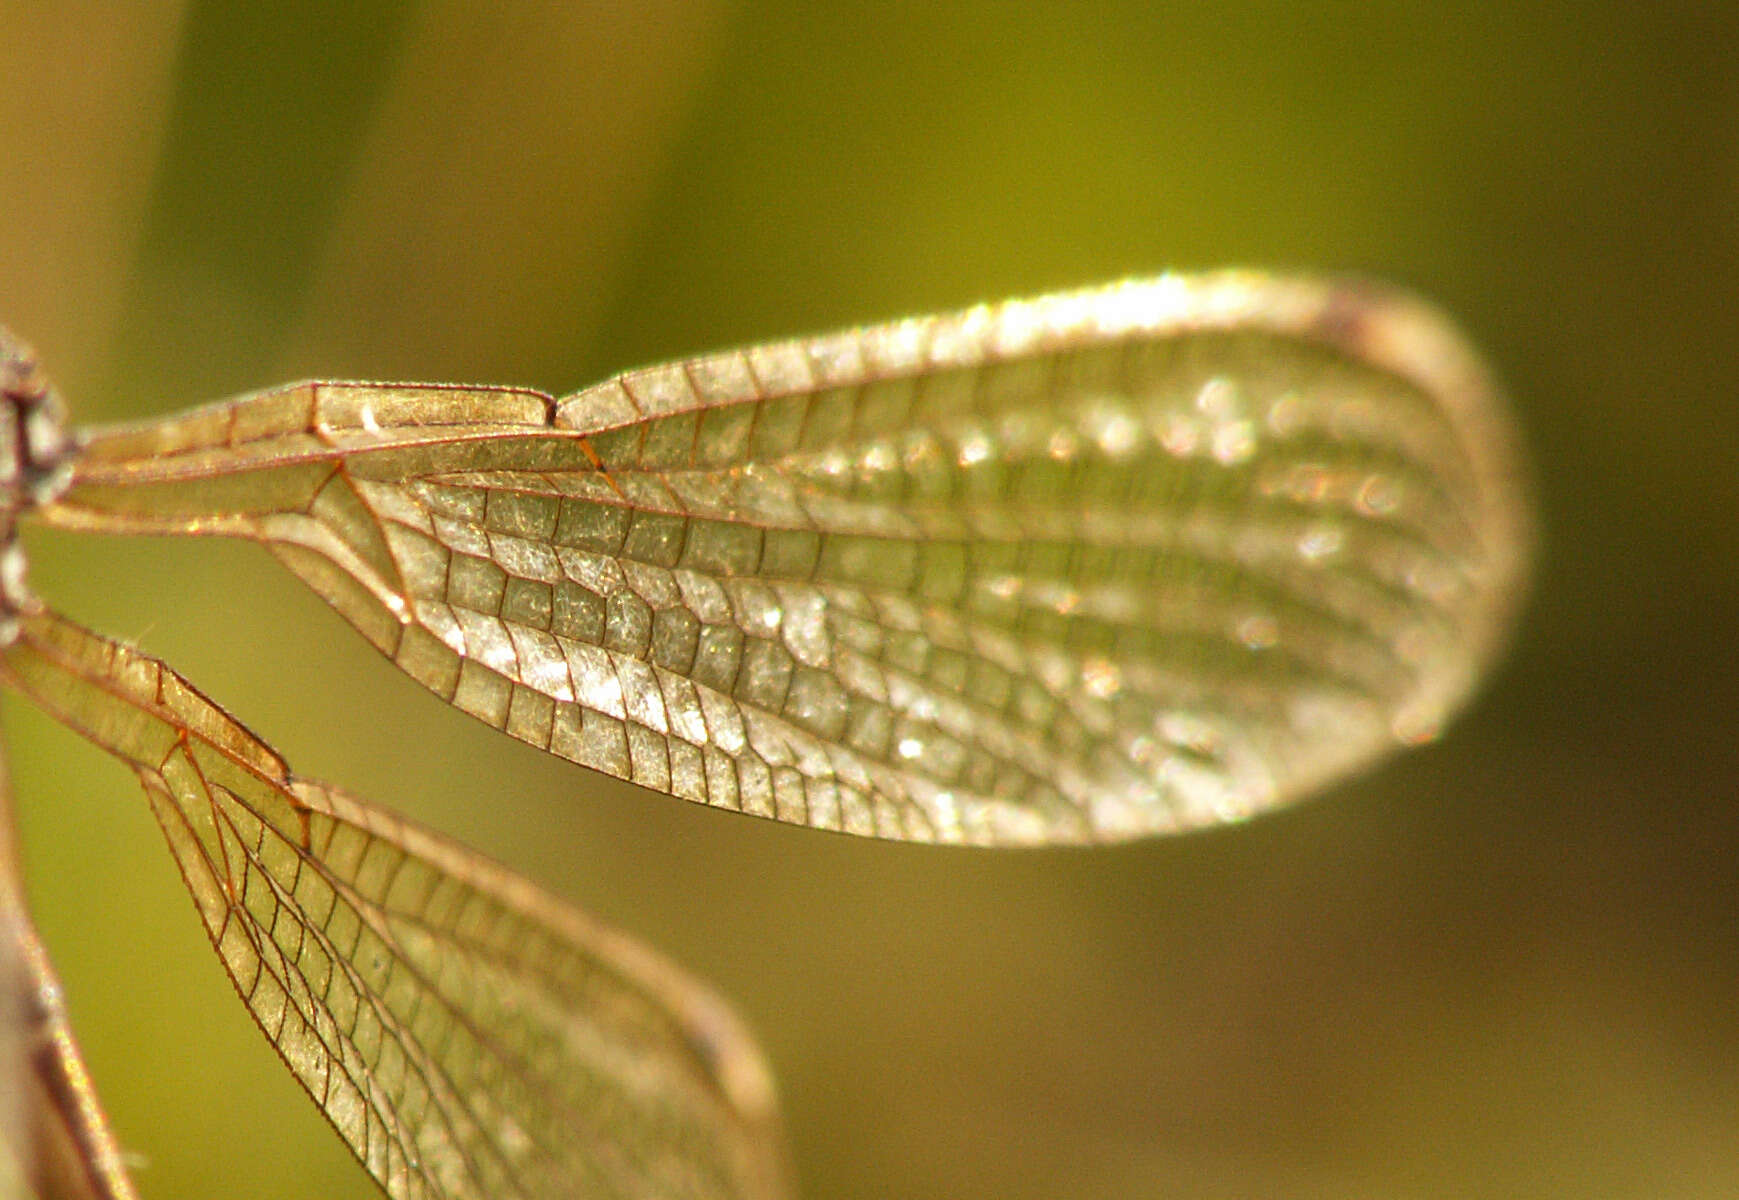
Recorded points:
(1504,966)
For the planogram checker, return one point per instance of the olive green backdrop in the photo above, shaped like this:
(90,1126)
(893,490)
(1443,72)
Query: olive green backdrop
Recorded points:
(1504,966)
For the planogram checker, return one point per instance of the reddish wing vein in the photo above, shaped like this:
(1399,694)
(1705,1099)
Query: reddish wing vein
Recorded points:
(1081,568)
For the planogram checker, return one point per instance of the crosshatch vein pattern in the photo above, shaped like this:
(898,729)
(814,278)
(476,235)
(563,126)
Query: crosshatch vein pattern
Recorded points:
(1082,568)
(467,1035)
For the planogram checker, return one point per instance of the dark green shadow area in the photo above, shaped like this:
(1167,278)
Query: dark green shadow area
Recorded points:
(270,106)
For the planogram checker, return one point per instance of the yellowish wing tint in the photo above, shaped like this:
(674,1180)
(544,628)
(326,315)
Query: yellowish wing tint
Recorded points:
(1081,568)
(467,1035)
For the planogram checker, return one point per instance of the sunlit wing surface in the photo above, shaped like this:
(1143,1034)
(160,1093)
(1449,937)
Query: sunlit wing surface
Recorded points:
(1087,567)
(467,1035)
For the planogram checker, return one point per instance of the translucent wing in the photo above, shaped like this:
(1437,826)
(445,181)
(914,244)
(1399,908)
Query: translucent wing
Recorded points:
(1080,568)
(466,1034)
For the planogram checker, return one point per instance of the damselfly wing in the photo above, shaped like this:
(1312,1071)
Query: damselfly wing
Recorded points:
(1094,566)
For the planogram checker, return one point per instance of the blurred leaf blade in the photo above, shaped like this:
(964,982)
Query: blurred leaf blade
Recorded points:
(268,114)
(568,137)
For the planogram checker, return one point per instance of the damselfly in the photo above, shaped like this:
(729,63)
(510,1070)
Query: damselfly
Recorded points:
(1089,567)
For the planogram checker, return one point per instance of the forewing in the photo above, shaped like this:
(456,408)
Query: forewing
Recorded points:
(1087,567)
(466,1034)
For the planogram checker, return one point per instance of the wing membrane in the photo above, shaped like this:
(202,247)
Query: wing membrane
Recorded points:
(467,1035)
(1082,568)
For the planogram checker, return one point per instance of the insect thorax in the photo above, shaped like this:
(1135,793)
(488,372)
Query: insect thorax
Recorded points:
(34,460)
